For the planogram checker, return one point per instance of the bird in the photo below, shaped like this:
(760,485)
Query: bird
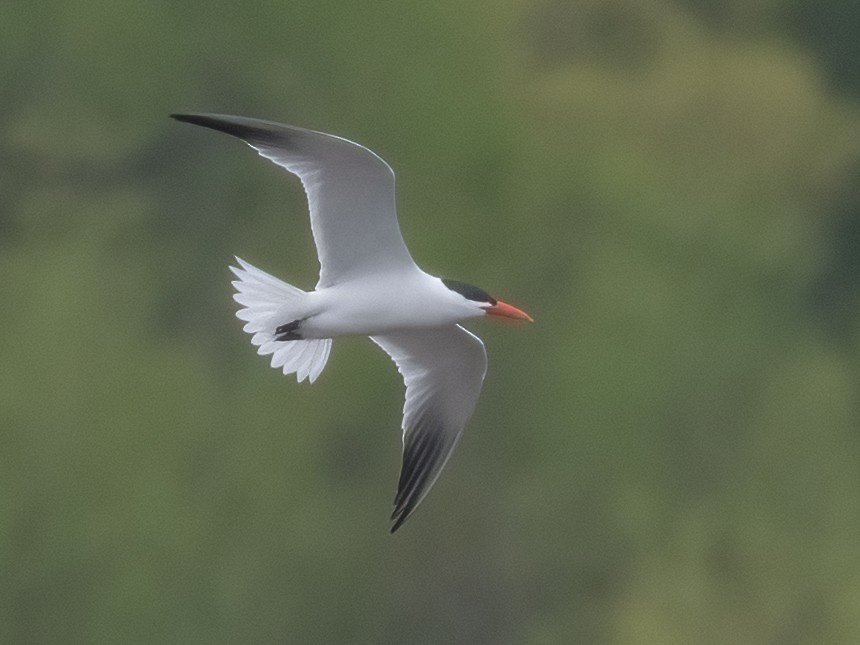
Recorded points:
(369,285)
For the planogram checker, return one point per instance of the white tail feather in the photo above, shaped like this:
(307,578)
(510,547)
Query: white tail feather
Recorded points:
(268,302)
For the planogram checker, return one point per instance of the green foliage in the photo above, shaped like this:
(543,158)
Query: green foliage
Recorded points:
(670,454)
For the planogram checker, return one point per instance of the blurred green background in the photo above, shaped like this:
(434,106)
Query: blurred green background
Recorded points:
(670,454)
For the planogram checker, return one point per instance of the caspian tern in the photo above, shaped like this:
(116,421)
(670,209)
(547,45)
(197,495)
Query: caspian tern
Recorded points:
(369,285)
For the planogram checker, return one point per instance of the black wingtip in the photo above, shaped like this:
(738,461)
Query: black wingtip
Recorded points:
(423,456)
(399,516)
(188,118)
(218,122)
(250,130)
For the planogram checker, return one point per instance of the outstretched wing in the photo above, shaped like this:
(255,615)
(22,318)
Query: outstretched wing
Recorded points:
(443,369)
(350,193)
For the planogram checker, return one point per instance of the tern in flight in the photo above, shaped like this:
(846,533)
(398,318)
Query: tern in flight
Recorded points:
(369,285)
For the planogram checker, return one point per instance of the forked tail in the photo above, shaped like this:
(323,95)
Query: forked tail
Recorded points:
(267,303)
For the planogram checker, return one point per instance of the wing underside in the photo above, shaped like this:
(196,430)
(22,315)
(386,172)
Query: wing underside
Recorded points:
(350,193)
(443,369)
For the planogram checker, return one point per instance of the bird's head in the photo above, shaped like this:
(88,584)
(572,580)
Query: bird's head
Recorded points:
(484,302)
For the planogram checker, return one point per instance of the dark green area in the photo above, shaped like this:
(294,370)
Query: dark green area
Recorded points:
(670,454)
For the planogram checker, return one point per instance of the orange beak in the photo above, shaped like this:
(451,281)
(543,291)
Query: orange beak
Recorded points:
(507,311)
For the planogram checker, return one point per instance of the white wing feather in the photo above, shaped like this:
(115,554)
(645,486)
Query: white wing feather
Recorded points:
(443,369)
(350,193)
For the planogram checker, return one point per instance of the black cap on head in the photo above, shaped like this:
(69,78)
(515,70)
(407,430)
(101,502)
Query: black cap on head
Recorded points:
(469,292)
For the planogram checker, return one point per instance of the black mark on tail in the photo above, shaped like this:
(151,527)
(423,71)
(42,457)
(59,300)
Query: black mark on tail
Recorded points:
(290,331)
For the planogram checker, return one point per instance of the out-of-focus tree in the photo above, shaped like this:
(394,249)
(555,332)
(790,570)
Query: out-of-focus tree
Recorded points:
(668,455)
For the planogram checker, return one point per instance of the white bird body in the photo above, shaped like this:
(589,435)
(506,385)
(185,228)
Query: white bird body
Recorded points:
(370,286)
(376,305)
